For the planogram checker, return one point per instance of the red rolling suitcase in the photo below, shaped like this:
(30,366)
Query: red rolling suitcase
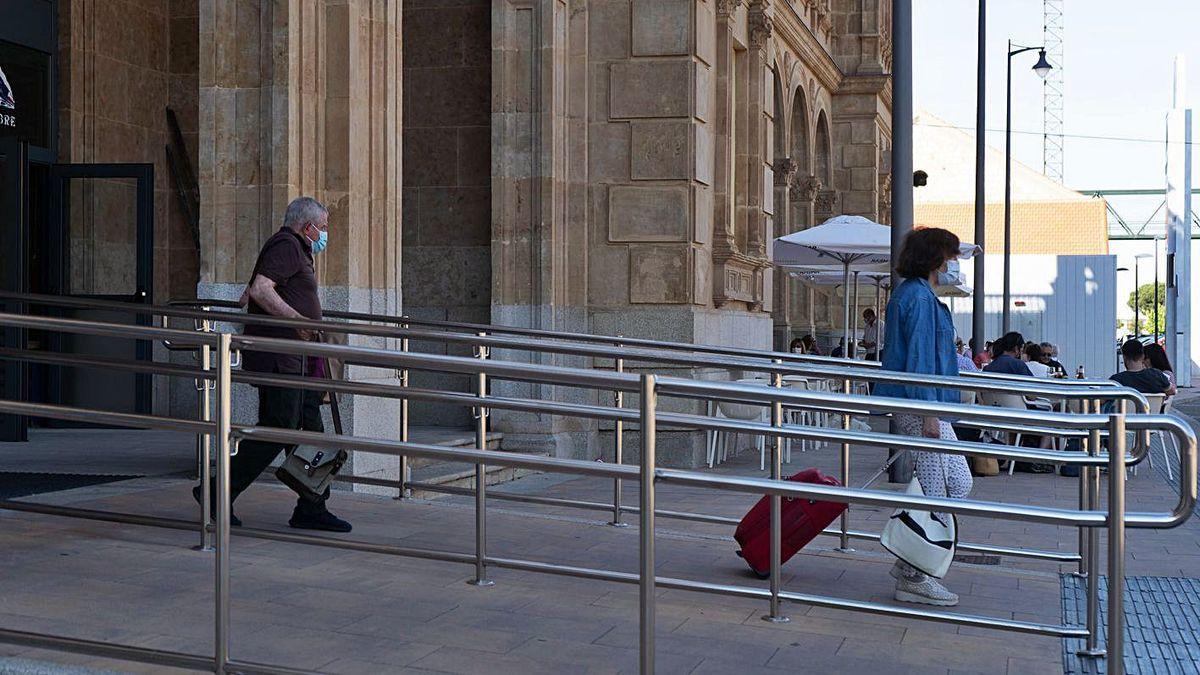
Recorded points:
(801,520)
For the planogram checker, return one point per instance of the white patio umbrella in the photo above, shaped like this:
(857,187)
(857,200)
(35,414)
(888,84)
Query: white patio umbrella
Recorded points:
(852,241)
(880,275)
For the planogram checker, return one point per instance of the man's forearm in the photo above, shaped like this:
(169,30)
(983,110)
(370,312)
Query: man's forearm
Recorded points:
(268,299)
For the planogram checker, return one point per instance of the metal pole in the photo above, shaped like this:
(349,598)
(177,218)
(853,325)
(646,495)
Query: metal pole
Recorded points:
(1116,541)
(204,443)
(1084,493)
(1137,296)
(978,308)
(1006,309)
(843,534)
(776,506)
(618,446)
(855,315)
(646,573)
(221,594)
(1092,476)
(902,127)
(481,415)
(846,309)
(1155,240)
(404,468)
(878,315)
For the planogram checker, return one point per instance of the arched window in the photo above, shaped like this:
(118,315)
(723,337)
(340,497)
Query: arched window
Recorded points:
(824,167)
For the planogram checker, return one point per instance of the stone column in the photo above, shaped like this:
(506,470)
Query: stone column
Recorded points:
(539,201)
(304,98)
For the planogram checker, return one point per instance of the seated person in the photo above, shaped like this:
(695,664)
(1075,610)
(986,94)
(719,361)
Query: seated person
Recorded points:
(840,350)
(1007,359)
(1138,374)
(984,357)
(810,345)
(1050,351)
(797,346)
(1156,356)
(1033,360)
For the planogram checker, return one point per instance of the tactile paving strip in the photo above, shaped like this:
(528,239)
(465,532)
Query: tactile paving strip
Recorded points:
(1162,619)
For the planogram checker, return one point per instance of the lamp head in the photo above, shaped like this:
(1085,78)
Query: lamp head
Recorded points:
(1042,67)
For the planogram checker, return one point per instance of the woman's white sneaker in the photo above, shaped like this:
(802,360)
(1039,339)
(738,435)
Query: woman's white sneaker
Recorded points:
(925,590)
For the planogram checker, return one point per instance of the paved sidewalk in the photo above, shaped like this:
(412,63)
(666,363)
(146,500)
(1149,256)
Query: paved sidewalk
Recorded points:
(340,611)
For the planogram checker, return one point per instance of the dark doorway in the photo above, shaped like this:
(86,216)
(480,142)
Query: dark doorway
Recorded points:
(94,240)
(13,200)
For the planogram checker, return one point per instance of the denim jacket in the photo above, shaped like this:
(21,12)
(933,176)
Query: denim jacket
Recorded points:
(919,338)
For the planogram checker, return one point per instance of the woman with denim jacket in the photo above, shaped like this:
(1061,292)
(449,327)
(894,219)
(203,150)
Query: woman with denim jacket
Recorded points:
(920,339)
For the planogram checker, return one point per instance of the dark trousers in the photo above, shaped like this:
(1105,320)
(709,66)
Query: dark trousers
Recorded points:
(284,409)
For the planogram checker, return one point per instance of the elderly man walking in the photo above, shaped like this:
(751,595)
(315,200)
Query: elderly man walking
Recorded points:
(284,284)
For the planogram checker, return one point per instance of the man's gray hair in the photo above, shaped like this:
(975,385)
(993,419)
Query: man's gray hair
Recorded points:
(1050,348)
(303,210)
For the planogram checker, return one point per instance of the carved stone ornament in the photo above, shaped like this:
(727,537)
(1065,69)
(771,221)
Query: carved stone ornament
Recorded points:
(825,201)
(806,190)
(761,25)
(785,171)
(885,194)
(727,7)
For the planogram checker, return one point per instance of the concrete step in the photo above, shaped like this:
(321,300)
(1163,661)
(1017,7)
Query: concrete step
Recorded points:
(460,475)
(450,437)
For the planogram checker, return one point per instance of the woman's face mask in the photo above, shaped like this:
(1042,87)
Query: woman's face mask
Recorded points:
(950,274)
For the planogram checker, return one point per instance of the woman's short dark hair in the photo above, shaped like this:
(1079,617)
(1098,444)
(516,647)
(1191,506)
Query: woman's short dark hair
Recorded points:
(924,251)
(1008,342)
(1157,357)
(1034,351)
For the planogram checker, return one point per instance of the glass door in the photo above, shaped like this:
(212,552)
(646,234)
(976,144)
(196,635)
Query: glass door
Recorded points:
(100,243)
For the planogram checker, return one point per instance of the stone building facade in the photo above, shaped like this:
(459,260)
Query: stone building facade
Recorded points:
(602,166)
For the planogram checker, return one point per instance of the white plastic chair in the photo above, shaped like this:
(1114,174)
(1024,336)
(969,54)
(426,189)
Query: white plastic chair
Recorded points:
(1003,400)
(1160,404)
(718,448)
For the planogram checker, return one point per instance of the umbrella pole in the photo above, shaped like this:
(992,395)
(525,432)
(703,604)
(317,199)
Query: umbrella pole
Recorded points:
(846,309)
(878,333)
(855,314)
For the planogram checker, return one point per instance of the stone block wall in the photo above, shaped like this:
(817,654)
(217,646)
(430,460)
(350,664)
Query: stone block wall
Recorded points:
(122,63)
(447,234)
(650,157)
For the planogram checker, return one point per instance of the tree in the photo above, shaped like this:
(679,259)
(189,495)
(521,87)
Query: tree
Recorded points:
(1144,297)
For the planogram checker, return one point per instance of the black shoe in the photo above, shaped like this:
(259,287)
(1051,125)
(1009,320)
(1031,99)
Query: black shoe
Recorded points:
(322,521)
(233,520)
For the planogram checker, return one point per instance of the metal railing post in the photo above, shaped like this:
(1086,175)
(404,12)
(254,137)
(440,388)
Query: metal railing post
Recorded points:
(1116,541)
(404,469)
(204,442)
(646,599)
(222,445)
(618,445)
(481,415)
(776,506)
(1090,562)
(844,533)
(1084,496)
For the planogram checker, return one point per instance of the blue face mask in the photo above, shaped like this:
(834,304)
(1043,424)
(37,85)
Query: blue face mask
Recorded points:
(951,276)
(321,242)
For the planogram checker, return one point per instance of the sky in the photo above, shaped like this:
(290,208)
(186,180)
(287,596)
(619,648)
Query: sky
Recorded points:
(1118,60)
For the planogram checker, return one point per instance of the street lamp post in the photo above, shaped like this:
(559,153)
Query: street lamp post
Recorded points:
(1156,290)
(1042,67)
(1137,297)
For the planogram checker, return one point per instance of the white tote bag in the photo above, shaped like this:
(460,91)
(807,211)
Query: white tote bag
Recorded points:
(922,539)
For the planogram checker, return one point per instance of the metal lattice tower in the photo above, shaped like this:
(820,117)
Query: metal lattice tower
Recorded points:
(1052,90)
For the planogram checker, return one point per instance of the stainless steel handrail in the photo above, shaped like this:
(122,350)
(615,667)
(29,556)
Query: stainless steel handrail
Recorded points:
(837,369)
(1115,519)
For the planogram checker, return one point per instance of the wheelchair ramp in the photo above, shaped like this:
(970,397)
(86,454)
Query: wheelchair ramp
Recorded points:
(1162,618)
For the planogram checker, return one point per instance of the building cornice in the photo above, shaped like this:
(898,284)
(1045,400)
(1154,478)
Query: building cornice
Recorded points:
(791,29)
(875,85)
